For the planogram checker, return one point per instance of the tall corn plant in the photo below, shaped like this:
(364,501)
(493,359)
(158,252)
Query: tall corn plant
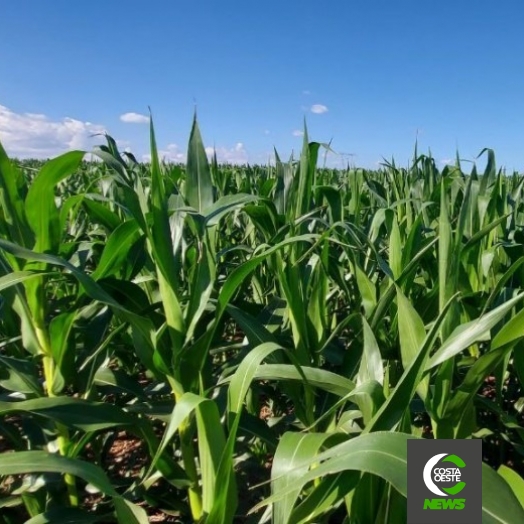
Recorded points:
(160,213)
(180,225)
(431,348)
(366,301)
(30,264)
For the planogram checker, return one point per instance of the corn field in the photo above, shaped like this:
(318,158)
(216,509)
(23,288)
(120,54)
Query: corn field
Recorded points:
(218,344)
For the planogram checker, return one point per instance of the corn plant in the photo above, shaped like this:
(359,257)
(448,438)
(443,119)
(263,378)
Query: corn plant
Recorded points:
(269,337)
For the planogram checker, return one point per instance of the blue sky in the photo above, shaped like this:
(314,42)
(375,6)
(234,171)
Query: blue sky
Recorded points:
(377,73)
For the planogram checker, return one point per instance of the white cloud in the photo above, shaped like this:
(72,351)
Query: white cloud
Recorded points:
(32,135)
(123,144)
(297,132)
(319,109)
(171,153)
(36,116)
(447,161)
(134,118)
(234,155)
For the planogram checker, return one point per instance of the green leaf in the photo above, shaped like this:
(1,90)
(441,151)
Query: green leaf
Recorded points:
(23,462)
(367,291)
(465,335)
(371,366)
(253,329)
(129,513)
(294,449)
(162,246)
(201,288)
(325,497)
(72,412)
(384,454)
(510,332)
(515,482)
(211,446)
(59,330)
(99,213)
(18,277)
(19,375)
(412,335)
(198,188)
(117,249)
(142,327)
(318,378)
(499,503)
(187,404)
(40,206)
(226,204)
(457,407)
(395,249)
(396,404)
(12,186)
(117,378)
(246,372)
(305,176)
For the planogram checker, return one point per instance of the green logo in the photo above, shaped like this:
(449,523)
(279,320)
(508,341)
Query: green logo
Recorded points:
(444,487)
(434,476)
